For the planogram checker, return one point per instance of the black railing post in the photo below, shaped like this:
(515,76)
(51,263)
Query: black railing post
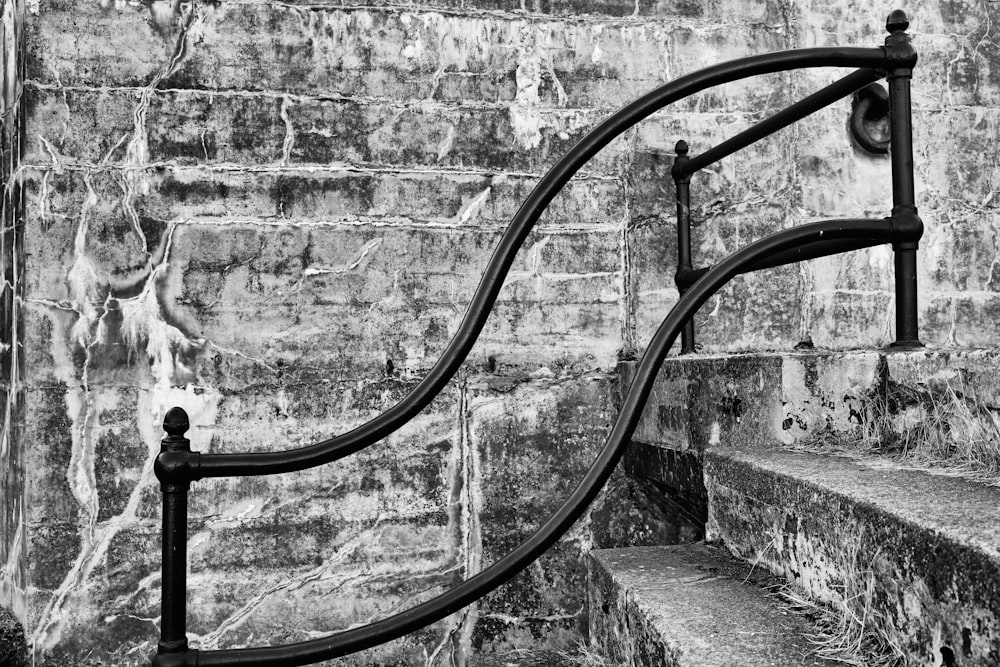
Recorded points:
(901,58)
(172,649)
(682,182)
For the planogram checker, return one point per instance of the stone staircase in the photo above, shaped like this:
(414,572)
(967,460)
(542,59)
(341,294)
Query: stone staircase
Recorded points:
(858,481)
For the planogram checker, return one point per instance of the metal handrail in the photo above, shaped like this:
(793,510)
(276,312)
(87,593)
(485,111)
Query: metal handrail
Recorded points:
(898,98)
(873,232)
(197,466)
(851,83)
(177,465)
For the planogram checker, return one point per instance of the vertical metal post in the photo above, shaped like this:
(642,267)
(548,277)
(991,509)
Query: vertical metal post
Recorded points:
(901,58)
(682,182)
(173,645)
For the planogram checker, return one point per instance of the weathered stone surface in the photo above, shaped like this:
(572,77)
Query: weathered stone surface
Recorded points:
(764,400)
(377,532)
(634,511)
(760,310)
(534,441)
(412,282)
(13,647)
(274,214)
(703,401)
(292,196)
(930,408)
(689,605)
(676,478)
(191,127)
(388,53)
(872,538)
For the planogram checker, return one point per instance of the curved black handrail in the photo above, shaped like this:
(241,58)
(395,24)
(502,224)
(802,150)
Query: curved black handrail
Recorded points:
(194,465)
(822,98)
(177,465)
(349,641)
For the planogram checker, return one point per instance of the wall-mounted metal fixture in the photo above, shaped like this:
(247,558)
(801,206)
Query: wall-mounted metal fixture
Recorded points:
(870,119)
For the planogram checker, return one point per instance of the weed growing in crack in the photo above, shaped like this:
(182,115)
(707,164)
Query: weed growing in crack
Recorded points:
(934,425)
(850,628)
(584,656)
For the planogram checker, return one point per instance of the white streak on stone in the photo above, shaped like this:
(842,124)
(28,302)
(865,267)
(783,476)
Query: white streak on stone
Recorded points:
(472,508)
(525,119)
(13,597)
(988,285)
(561,96)
(472,209)
(237,353)
(13,577)
(367,248)
(289,142)
(322,573)
(520,620)
(51,150)
(446,144)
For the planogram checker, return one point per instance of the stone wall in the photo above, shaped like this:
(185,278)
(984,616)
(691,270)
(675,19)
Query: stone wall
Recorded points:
(274,213)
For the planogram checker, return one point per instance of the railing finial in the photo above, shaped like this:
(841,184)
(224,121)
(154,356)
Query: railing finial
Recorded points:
(897,21)
(681,147)
(176,422)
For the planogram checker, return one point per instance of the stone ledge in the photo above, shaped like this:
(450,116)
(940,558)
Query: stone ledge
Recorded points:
(918,553)
(785,398)
(688,606)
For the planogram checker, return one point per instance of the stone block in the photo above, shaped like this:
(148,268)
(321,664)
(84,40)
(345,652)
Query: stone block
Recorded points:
(376,531)
(873,538)
(691,605)
(386,52)
(413,284)
(534,442)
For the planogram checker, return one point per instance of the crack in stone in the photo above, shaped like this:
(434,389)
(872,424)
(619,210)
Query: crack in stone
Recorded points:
(323,270)
(321,573)
(237,353)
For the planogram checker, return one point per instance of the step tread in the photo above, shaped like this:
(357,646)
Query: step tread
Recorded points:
(915,553)
(696,600)
(950,505)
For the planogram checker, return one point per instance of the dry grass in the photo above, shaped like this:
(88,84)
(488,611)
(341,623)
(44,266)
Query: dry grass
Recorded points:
(584,656)
(935,426)
(957,430)
(848,630)
(581,655)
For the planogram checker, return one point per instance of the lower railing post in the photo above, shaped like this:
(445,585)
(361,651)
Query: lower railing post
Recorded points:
(904,208)
(173,645)
(682,182)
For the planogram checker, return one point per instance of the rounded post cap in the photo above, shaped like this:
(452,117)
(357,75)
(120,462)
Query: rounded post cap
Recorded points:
(681,147)
(176,422)
(897,21)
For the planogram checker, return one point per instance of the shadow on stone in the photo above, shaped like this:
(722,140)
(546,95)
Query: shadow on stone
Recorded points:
(13,647)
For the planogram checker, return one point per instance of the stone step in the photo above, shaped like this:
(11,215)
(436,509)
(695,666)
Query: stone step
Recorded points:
(915,555)
(789,398)
(864,401)
(690,606)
